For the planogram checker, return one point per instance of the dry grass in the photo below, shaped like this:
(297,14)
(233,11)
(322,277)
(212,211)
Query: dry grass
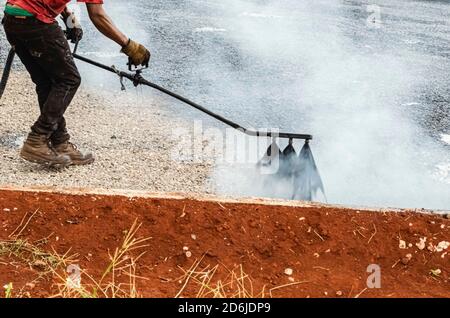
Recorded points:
(8,290)
(32,255)
(119,278)
(69,284)
(205,283)
(35,257)
(122,264)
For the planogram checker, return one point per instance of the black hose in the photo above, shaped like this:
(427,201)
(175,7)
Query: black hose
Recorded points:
(7,71)
(137,79)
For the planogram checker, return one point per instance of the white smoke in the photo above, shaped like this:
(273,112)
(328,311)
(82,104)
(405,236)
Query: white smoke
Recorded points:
(368,151)
(348,93)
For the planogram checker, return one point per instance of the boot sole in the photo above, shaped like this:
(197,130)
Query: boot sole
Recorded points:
(82,162)
(43,161)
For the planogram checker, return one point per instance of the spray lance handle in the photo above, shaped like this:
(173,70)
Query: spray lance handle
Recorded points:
(75,48)
(136,69)
(135,78)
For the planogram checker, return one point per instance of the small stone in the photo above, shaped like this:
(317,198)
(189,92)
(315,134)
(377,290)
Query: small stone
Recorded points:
(6,210)
(442,246)
(288,271)
(402,244)
(436,272)
(185,248)
(406,259)
(317,255)
(291,279)
(339,293)
(188,254)
(193,236)
(421,245)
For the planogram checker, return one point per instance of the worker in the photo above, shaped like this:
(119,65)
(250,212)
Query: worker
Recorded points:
(42,46)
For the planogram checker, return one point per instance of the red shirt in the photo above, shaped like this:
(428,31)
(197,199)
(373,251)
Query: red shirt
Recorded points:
(46,10)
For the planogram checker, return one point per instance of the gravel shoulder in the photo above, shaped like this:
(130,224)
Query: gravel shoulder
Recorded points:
(129,135)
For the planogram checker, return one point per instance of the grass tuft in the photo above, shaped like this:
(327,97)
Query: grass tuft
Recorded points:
(68,275)
(236,284)
(122,264)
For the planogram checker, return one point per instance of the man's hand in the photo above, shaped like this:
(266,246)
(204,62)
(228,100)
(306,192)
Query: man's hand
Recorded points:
(73,28)
(137,53)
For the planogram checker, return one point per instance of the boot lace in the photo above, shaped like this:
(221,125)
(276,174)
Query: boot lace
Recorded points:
(73,146)
(52,149)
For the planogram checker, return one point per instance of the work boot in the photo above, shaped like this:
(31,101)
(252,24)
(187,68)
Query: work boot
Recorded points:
(76,156)
(37,149)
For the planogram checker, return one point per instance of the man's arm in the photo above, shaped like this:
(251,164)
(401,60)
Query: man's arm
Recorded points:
(105,25)
(137,53)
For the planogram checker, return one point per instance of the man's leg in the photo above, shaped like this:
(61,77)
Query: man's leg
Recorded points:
(37,74)
(61,68)
(49,50)
(61,135)
(37,146)
(43,87)
(58,63)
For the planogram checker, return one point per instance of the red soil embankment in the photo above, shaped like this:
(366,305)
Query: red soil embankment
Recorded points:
(328,248)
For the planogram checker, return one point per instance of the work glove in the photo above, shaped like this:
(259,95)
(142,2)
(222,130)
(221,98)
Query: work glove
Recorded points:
(74,32)
(137,53)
